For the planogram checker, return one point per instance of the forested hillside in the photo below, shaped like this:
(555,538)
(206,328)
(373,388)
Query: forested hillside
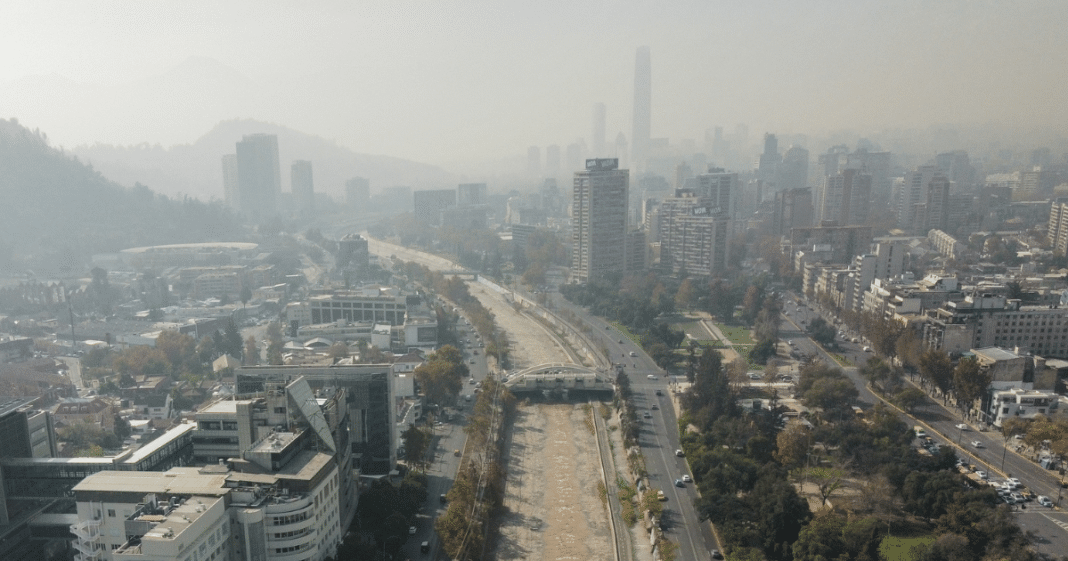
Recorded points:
(57,211)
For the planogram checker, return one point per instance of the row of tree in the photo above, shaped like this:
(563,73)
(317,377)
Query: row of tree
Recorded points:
(747,468)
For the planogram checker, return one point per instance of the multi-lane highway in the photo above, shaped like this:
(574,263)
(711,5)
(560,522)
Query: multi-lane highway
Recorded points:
(659,436)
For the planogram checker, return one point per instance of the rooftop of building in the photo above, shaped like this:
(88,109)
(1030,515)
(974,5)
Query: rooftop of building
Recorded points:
(995,353)
(223,406)
(9,405)
(275,442)
(175,481)
(168,522)
(232,246)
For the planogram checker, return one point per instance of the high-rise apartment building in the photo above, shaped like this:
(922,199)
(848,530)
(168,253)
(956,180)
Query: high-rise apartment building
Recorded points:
(597,142)
(1057,229)
(231,186)
(302,185)
(599,220)
(358,192)
(911,192)
(259,175)
(721,189)
(643,99)
(793,209)
(845,198)
(937,204)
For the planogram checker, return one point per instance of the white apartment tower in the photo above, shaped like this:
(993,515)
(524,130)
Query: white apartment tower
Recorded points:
(599,220)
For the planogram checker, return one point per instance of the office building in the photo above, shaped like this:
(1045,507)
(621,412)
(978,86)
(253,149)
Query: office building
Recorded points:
(429,204)
(353,253)
(302,185)
(471,194)
(358,193)
(990,320)
(768,166)
(259,175)
(643,99)
(231,186)
(599,218)
(793,170)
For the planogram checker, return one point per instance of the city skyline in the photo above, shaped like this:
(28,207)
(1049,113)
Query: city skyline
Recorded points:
(416,78)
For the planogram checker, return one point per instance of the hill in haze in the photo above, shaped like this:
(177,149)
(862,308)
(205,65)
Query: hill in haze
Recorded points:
(58,211)
(196,169)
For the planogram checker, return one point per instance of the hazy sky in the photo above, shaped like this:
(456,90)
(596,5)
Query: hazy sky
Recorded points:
(455,80)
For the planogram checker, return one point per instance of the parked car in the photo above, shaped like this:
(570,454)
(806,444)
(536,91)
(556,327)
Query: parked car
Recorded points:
(679,483)
(980,474)
(977,444)
(1016,484)
(687,479)
(651,377)
(1044,501)
(679,453)
(412,530)
(647,415)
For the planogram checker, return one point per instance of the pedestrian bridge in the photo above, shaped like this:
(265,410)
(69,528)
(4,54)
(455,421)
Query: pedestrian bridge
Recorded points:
(561,378)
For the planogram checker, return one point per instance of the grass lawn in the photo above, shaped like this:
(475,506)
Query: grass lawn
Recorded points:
(897,549)
(626,332)
(737,335)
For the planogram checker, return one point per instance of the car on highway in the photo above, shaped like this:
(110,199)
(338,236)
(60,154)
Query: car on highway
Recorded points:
(687,479)
(977,444)
(654,406)
(632,353)
(424,547)
(658,392)
(621,341)
(472,361)
(716,554)
(679,453)
(961,426)
(867,349)
(1014,482)
(651,376)
(679,483)
(661,496)
(647,415)
(412,530)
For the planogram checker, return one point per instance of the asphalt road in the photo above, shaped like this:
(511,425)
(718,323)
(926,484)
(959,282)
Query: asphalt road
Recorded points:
(659,437)
(995,454)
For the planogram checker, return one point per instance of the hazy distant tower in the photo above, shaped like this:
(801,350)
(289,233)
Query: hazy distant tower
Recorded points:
(358,193)
(300,177)
(259,176)
(597,140)
(643,99)
(599,220)
(534,161)
(231,187)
